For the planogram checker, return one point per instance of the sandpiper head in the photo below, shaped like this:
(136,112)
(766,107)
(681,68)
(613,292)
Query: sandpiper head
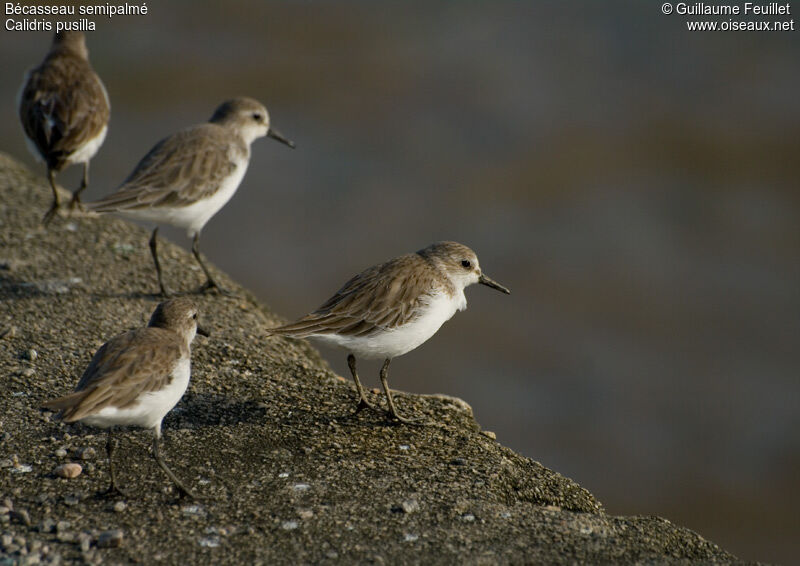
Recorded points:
(178,315)
(460,264)
(72,41)
(250,117)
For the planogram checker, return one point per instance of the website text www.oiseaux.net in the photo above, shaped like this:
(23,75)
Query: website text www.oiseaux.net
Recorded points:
(728,13)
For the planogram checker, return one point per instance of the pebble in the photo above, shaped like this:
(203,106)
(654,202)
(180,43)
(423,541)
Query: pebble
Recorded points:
(9,332)
(120,506)
(61,453)
(69,470)
(301,487)
(410,506)
(409,537)
(209,542)
(305,514)
(71,500)
(30,355)
(289,525)
(21,516)
(47,526)
(489,434)
(87,453)
(84,541)
(63,526)
(110,539)
(6,541)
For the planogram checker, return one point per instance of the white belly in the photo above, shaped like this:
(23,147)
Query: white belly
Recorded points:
(393,343)
(85,152)
(193,217)
(151,407)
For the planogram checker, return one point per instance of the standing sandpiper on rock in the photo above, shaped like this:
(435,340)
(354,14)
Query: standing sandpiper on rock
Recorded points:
(391,308)
(136,378)
(64,110)
(187,177)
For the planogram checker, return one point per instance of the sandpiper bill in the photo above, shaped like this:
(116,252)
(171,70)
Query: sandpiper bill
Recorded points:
(64,110)
(187,177)
(136,378)
(391,308)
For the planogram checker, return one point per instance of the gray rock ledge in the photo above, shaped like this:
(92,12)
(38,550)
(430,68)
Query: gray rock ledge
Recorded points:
(263,436)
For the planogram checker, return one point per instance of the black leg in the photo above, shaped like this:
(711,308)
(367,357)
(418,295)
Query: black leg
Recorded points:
(210,283)
(48,216)
(362,398)
(76,196)
(392,408)
(154,252)
(163,465)
(113,488)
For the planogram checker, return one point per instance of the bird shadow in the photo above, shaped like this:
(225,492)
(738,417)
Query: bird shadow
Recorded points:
(209,410)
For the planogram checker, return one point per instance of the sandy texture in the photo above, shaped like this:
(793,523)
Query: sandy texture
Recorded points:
(264,436)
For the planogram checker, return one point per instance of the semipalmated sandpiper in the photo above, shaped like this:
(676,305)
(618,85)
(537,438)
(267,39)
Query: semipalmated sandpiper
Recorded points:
(136,378)
(187,177)
(391,308)
(64,110)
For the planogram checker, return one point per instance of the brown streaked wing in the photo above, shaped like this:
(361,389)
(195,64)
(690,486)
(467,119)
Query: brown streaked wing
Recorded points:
(127,366)
(63,105)
(178,171)
(381,298)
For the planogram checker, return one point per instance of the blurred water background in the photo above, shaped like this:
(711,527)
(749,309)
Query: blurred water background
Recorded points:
(634,184)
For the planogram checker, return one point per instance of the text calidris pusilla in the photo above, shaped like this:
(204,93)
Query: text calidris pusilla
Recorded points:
(187,177)
(64,110)
(391,308)
(136,378)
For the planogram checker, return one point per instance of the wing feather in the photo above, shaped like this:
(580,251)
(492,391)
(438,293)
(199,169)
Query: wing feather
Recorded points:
(380,298)
(124,368)
(179,170)
(63,105)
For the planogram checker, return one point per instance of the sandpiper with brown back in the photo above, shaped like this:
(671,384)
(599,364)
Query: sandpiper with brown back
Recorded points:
(189,176)
(136,378)
(64,110)
(391,308)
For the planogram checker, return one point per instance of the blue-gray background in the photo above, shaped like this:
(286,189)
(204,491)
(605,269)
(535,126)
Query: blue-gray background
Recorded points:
(634,184)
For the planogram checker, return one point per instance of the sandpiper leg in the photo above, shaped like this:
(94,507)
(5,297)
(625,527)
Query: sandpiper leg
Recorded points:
(210,283)
(113,488)
(48,216)
(75,202)
(154,252)
(392,408)
(362,398)
(163,465)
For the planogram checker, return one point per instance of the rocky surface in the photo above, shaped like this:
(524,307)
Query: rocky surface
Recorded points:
(264,436)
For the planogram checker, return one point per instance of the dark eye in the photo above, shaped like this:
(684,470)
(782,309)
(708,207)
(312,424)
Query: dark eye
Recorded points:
(257,117)
(194,316)
(466,264)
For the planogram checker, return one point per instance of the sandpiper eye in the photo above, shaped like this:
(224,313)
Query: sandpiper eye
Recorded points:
(257,117)
(466,264)
(194,316)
